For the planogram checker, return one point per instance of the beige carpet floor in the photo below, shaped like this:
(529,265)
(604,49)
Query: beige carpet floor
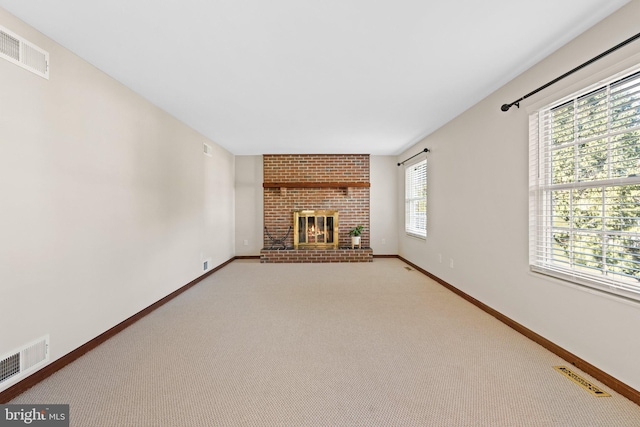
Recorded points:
(369,344)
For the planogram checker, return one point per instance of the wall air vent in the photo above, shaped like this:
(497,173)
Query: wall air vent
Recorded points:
(20,362)
(15,49)
(9,366)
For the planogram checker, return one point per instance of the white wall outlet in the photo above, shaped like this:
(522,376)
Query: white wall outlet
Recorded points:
(384,241)
(440,258)
(451,263)
(246,242)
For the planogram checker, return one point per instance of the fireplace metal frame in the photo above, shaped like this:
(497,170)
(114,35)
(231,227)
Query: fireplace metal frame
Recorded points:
(315,213)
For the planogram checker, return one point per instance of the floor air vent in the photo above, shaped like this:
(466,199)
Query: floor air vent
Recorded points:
(21,52)
(596,391)
(20,362)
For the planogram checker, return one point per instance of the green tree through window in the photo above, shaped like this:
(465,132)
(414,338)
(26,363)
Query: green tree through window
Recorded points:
(585,181)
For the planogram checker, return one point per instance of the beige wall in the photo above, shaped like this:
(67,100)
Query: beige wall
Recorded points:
(384,211)
(478,210)
(107,203)
(249,206)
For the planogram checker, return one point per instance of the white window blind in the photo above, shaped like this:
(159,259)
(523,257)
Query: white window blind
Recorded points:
(585,188)
(416,199)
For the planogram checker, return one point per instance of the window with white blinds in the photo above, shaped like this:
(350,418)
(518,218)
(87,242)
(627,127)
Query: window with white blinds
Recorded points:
(416,199)
(585,188)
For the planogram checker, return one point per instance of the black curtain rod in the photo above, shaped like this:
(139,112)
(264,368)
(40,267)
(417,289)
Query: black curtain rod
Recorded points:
(426,150)
(505,107)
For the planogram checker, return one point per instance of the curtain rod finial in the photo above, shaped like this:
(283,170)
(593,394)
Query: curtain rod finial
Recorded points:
(505,107)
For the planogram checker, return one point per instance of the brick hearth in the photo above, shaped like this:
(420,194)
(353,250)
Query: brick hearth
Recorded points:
(316,255)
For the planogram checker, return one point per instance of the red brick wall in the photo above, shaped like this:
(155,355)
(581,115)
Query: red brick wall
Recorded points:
(352,204)
(316,167)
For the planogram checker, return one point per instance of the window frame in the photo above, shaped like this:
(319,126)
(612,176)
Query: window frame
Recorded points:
(543,211)
(412,228)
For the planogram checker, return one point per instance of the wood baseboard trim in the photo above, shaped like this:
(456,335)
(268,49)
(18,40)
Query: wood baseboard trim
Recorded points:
(385,256)
(56,365)
(248,257)
(611,382)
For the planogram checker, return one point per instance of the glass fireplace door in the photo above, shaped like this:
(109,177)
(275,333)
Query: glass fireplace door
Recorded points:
(315,229)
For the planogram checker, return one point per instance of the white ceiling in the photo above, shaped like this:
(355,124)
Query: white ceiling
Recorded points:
(295,76)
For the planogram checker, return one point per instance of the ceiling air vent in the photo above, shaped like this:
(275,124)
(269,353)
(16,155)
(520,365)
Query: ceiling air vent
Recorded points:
(15,49)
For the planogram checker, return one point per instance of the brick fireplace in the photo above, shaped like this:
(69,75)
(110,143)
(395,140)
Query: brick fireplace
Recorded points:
(320,182)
